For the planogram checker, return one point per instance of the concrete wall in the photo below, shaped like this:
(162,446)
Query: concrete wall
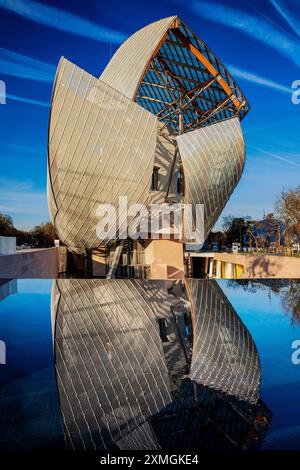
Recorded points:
(165,258)
(263,265)
(39,263)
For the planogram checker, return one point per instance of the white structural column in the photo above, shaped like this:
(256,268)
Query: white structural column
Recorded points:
(210,267)
(101,146)
(219,269)
(213,159)
(228,270)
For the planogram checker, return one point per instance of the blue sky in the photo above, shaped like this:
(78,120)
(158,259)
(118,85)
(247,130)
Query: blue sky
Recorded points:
(258,41)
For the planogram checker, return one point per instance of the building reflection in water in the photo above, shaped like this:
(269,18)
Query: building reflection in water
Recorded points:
(8,287)
(155,365)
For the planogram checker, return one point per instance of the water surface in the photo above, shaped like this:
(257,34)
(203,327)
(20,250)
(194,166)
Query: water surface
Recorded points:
(94,364)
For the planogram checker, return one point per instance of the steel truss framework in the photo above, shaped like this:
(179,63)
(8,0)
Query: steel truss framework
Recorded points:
(185,84)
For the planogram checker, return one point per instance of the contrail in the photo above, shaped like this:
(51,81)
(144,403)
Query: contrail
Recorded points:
(22,148)
(278,157)
(257,28)
(272,124)
(62,20)
(22,99)
(26,59)
(19,65)
(253,77)
(289,17)
(23,71)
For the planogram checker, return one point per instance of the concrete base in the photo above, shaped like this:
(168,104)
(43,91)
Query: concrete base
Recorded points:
(40,263)
(165,258)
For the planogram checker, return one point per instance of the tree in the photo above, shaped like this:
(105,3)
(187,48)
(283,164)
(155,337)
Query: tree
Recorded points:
(288,209)
(6,225)
(291,300)
(236,228)
(265,232)
(44,234)
(217,237)
(252,234)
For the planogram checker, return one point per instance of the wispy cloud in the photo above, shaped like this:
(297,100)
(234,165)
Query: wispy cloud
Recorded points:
(254,78)
(22,99)
(289,17)
(270,125)
(37,64)
(22,66)
(19,197)
(21,148)
(277,157)
(62,20)
(258,28)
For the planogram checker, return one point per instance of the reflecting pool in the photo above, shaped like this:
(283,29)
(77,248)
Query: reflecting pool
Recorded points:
(132,364)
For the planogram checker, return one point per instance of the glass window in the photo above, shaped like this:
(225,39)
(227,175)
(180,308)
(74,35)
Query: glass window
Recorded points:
(162,330)
(179,183)
(154,185)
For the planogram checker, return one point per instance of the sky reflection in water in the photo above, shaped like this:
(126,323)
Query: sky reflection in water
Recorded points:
(30,405)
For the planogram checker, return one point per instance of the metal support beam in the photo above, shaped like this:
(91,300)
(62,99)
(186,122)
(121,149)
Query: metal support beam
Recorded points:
(209,114)
(154,54)
(115,261)
(208,65)
(199,89)
(187,79)
(156,100)
(88,264)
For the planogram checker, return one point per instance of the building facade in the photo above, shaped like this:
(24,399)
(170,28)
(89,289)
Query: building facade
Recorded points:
(160,126)
(154,365)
